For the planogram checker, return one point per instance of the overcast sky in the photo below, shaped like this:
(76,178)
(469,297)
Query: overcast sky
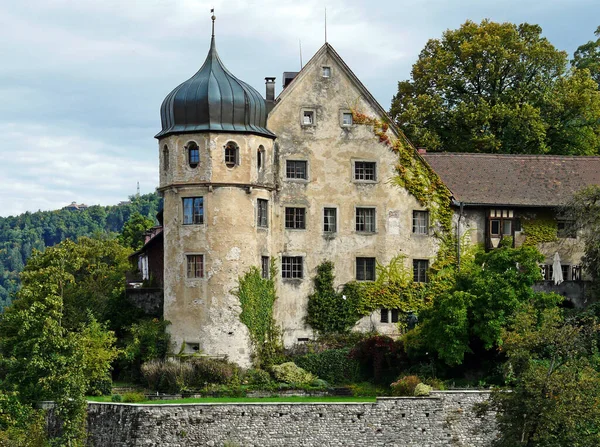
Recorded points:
(81,81)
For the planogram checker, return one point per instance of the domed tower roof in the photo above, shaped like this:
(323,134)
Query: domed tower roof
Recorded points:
(214,100)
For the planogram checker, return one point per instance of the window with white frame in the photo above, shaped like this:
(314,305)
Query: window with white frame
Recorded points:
(193,210)
(195,266)
(347,119)
(365,171)
(365,220)
(295,218)
(262,213)
(329,220)
(420,222)
(365,269)
(292,267)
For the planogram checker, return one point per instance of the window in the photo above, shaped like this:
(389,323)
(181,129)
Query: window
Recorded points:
(260,158)
(193,211)
(566,229)
(387,313)
(231,154)
(262,213)
(329,220)
(195,266)
(565,269)
(347,119)
(420,223)
(295,218)
(265,266)
(166,158)
(365,269)
(295,169)
(326,72)
(365,220)
(308,117)
(193,154)
(291,267)
(420,267)
(365,170)
(501,223)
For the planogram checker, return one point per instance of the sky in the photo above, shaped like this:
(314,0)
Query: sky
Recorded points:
(81,81)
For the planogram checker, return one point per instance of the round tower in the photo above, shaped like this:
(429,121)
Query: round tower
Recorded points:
(216,177)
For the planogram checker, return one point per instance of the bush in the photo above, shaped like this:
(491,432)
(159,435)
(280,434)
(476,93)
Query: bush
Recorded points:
(405,386)
(332,365)
(367,389)
(291,373)
(435,384)
(258,378)
(422,390)
(116,398)
(133,397)
(380,356)
(167,376)
(101,387)
(207,370)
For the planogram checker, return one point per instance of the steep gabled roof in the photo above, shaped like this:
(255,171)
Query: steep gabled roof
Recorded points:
(517,180)
(327,48)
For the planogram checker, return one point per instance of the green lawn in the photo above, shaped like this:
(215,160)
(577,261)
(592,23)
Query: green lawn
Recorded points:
(208,400)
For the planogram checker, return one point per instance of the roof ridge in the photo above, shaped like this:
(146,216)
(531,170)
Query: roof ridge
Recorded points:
(479,154)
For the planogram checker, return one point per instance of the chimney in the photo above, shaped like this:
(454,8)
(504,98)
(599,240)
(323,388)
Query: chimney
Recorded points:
(270,93)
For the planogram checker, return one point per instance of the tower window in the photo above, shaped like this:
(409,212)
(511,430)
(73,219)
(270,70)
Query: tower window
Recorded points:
(295,218)
(308,117)
(262,213)
(166,158)
(193,154)
(195,266)
(231,154)
(260,158)
(193,211)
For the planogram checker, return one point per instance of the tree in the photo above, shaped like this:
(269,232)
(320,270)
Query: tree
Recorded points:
(588,56)
(499,88)
(554,381)
(134,229)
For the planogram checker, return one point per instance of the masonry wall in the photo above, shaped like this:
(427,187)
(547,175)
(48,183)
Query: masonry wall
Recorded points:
(444,419)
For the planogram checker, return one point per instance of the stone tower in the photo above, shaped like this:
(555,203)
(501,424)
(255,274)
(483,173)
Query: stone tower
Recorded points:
(216,177)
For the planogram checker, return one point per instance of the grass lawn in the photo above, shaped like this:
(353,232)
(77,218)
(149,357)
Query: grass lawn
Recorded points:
(224,400)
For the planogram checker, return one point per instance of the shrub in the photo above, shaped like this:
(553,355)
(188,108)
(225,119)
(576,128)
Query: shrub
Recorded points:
(422,390)
(133,397)
(435,384)
(367,389)
(207,370)
(101,387)
(291,373)
(167,376)
(405,386)
(116,398)
(332,365)
(379,354)
(258,378)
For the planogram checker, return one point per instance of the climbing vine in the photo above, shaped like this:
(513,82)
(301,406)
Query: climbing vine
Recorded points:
(414,174)
(539,230)
(257,297)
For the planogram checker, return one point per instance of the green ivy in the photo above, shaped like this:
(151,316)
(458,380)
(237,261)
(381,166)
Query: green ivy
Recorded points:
(539,230)
(257,297)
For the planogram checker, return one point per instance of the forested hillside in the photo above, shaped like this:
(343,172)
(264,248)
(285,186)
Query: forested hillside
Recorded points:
(19,235)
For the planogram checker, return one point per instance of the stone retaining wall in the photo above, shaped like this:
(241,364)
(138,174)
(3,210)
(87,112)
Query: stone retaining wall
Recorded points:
(443,419)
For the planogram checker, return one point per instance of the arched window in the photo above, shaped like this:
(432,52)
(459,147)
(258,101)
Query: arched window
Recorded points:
(260,158)
(232,153)
(165,158)
(193,154)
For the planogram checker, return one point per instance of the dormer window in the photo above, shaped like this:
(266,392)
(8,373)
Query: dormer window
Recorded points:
(193,154)
(231,154)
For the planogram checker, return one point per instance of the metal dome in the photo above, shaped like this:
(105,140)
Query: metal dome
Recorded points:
(213,100)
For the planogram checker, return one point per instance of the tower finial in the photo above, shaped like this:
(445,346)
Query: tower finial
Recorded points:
(213,21)
(325,24)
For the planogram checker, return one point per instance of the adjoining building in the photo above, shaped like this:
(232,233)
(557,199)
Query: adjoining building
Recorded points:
(294,179)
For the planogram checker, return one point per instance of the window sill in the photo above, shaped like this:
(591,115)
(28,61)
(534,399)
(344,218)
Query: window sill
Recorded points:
(366,233)
(292,280)
(420,235)
(365,182)
(296,180)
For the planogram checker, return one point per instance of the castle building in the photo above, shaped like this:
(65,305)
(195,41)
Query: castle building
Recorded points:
(292,179)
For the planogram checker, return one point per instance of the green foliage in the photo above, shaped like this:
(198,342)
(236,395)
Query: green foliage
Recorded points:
(258,378)
(539,230)
(133,397)
(488,294)
(422,390)
(132,235)
(145,340)
(552,372)
(290,373)
(405,386)
(379,356)
(20,235)
(332,365)
(116,398)
(328,312)
(498,88)
(257,296)
(587,56)
(20,424)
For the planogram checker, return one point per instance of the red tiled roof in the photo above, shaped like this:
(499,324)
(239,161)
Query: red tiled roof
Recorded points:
(526,180)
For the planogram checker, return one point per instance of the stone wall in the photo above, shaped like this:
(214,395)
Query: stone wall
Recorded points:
(150,300)
(443,419)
